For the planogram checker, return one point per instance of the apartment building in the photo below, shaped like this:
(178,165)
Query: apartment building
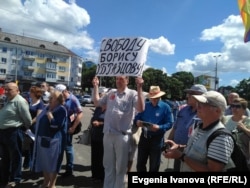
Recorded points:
(30,61)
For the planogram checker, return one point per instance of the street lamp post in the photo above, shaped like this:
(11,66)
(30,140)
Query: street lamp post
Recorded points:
(216,72)
(16,67)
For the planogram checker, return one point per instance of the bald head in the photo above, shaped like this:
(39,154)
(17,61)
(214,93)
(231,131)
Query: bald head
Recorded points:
(231,97)
(11,90)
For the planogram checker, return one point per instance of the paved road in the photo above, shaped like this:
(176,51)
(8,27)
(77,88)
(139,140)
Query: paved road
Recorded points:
(82,173)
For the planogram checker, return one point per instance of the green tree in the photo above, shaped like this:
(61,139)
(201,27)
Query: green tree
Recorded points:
(243,88)
(154,77)
(87,76)
(187,80)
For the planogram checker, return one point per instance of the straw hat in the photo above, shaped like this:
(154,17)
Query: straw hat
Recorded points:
(155,92)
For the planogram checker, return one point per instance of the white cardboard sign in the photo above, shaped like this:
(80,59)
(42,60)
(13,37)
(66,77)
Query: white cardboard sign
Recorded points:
(122,56)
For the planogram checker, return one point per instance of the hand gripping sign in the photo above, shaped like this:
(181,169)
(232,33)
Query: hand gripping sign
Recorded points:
(122,56)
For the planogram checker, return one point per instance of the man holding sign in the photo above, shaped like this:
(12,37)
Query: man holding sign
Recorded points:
(121,103)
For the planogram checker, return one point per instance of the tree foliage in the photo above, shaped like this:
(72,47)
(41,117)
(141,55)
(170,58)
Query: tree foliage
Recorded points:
(174,85)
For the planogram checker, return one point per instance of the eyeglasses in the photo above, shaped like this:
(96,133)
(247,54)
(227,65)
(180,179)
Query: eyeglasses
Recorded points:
(8,89)
(238,106)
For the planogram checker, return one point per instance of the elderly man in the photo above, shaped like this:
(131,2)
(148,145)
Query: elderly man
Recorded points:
(13,115)
(216,156)
(159,116)
(186,120)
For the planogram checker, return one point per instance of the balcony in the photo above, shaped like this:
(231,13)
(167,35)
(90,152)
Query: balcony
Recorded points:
(16,57)
(49,69)
(30,57)
(28,67)
(79,65)
(51,80)
(55,60)
(27,77)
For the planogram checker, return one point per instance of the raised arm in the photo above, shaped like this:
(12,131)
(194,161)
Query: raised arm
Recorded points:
(141,101)
(95,96)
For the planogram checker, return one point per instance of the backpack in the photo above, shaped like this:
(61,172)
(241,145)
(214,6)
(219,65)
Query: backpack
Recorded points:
(237,155)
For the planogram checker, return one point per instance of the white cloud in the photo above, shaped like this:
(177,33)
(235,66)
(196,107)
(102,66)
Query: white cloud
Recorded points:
(186,65)
(164,70)
(234,82)
(52,20)
(234,52)
(162,46)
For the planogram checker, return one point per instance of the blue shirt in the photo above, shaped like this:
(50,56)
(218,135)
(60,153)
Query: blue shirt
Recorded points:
(159,114)
(73,106)
(182,124)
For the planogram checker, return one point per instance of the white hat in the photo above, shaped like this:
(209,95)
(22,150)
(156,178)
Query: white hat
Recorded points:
(213,98)
(60,87)
(197,88)
(155,92)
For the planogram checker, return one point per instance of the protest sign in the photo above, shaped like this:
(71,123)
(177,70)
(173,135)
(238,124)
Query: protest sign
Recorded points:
(122,56)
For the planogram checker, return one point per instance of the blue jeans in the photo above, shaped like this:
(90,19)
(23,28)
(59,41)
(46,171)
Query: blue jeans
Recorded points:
(69,154)
(149,148)
(11,144)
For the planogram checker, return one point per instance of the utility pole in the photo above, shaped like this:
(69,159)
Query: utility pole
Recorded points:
(16,67)
(216,80)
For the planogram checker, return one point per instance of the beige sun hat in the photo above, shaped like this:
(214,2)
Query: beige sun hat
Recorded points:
(213,98)
(155,92)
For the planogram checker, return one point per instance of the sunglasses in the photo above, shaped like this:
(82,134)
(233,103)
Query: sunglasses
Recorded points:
(236,106)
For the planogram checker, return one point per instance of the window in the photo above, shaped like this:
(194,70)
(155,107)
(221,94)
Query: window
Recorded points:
(4,49)
(79,70)
(41,55)
(51,65)
(29,53)
(62,69)
(2,71)
(62,78)
(27,73)
(14,62)
(50,75)
(4,60)
(41,65)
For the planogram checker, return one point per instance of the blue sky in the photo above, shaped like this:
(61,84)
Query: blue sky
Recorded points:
(184,35)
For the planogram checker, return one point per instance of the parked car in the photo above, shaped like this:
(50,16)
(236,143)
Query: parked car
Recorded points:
(86,99)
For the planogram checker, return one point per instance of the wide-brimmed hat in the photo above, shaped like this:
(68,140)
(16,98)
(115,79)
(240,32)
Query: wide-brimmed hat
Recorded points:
(155,92)
(197,88)
(213,98)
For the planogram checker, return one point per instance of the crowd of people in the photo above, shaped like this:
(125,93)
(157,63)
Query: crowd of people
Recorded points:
(36,133)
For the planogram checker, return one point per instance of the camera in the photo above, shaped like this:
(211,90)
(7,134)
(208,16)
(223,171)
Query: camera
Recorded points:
(165,147)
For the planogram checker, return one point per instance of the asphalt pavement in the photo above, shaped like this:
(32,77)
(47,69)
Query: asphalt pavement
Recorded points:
(82,171)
